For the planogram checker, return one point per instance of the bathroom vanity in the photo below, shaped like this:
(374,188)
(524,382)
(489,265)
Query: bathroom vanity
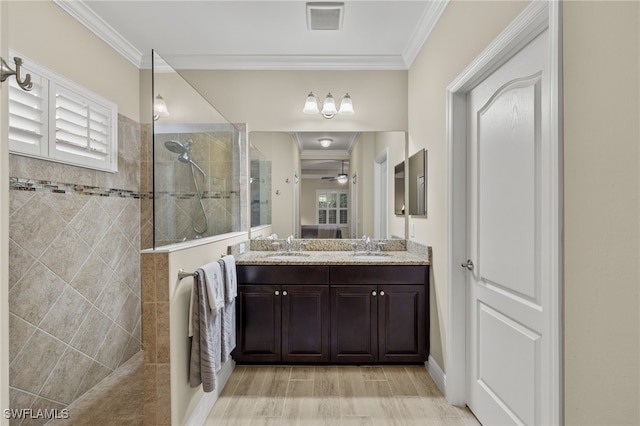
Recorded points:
(332,307)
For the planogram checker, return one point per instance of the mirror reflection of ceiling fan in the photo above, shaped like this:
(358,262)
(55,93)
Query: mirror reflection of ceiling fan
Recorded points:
(340,178)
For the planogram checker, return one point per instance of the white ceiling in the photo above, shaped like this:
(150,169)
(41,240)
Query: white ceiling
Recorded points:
(260,34)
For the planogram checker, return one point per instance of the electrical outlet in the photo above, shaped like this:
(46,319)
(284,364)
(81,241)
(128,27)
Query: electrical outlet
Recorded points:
(242,248)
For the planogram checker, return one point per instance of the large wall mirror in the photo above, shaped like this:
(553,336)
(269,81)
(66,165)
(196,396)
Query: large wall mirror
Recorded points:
(418,183)
(323,183)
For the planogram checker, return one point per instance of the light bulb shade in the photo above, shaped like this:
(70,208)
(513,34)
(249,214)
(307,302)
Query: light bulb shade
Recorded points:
(160,108)
(346,106)
(325,143)
(329,109)
(343,178)
(311,104)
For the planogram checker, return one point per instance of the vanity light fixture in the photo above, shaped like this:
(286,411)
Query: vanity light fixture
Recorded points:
(329,106)
(159,108)
(325,142)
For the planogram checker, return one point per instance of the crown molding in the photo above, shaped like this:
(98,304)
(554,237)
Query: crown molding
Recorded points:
(282,62)
(87,17)
(428,22)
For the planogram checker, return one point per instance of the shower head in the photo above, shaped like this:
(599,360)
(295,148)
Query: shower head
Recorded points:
(175,146)
(183,149)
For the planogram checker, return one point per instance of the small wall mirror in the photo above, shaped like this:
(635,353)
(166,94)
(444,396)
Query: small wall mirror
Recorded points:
(418,183)
(398,179)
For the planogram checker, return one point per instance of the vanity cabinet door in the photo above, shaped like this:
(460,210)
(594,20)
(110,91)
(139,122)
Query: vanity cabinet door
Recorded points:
(354,323)
(258,323)
(402,323)
(305,323)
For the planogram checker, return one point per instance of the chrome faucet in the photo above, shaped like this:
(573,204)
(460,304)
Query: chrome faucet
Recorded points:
(367,243)
(289,243)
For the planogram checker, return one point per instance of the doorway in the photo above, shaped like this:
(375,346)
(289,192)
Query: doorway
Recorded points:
(489,305)
(381,195)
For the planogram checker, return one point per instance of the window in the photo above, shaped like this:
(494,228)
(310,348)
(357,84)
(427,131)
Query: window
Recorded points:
(60,121)
(332,207)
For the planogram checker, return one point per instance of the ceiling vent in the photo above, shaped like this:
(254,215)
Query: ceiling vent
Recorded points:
(324,16)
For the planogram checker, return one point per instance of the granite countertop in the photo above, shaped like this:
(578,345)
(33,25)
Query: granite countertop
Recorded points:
(327,257)
(331,252)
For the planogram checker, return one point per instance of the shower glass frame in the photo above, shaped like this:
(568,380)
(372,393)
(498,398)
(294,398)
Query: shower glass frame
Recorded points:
(197,193)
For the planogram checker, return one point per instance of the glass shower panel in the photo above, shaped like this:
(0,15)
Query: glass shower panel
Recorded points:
(196,162)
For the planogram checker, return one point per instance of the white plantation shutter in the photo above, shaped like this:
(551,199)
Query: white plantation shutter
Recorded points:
(332,207)
(61,121)
(28,117)
(83,129)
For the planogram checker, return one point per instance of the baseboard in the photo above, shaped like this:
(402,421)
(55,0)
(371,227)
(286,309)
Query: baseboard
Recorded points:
(200,413)
(436,373)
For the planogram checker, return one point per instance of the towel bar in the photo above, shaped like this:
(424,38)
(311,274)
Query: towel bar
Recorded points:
(182,274)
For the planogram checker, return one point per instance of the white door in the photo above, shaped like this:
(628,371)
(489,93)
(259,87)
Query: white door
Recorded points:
(508,122)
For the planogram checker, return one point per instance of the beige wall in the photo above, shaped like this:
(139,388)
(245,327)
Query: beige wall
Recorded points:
(45,33)
(395,142)
(280,149)
(273,100)
(463,32)
(602,215)
(601,189)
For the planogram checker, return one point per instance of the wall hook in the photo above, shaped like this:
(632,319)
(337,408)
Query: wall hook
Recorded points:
(6,72)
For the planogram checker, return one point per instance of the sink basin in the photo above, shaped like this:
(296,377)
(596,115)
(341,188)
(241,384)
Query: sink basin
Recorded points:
(288,255)
(371,256)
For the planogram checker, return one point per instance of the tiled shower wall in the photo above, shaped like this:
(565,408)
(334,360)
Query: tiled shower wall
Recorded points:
(74,274)
(178,207)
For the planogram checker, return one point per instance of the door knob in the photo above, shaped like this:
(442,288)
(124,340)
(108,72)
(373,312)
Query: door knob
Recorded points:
(284,292)
(277,293)
(381,293)
(373,293)
(468,265)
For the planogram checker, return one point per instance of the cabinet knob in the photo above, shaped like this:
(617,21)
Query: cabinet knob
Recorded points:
(373,293)
(284,292)
(381,293)
(277,293)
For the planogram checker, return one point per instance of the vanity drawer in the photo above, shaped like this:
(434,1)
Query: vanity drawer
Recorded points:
(378,274)
(283,274)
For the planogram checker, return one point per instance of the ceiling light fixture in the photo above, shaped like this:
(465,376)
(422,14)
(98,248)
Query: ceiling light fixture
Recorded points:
(343,177)
(159,108)
(329,106)
(325,142)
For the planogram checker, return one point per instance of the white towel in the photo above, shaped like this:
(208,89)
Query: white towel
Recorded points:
(215,285)
(205,357)
(228,338)
(231,278)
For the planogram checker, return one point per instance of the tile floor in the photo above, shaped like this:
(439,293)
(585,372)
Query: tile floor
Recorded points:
(287,395)
(334,395)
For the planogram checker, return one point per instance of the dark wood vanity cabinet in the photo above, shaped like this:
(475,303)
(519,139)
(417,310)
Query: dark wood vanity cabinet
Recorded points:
(341,314)
(283,315)
(379,314)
